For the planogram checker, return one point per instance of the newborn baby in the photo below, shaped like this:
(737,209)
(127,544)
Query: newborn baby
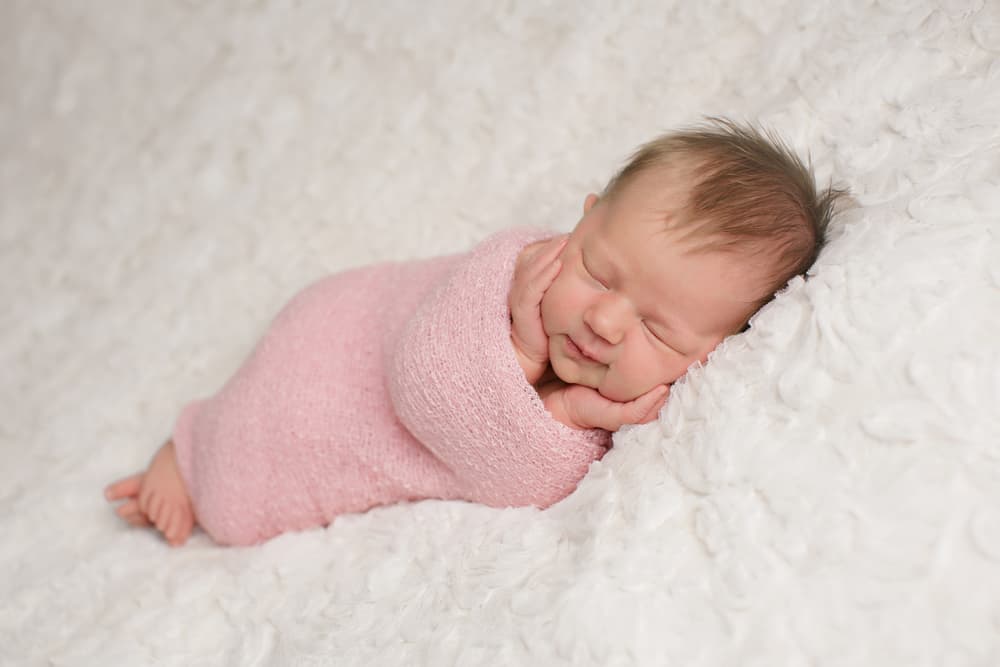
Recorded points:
(498,375)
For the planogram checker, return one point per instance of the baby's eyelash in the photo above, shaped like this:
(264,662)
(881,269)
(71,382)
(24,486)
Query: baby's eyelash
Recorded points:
(650,330)
(657,337)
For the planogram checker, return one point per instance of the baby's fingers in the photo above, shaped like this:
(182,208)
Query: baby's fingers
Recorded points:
(545,253)
(592,410)
(534,275)
(552,248)
(637,411)
(645,408)
(539,268)
(528,291)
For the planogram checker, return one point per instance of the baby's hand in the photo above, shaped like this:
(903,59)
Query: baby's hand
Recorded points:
(581,407)
(537,266)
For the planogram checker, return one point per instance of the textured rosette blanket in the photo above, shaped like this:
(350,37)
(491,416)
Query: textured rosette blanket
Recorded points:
(383,384)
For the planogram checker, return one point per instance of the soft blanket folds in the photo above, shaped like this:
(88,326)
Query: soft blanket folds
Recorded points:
(383,384)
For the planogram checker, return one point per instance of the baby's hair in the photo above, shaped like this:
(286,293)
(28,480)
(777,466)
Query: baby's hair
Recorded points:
(750,194)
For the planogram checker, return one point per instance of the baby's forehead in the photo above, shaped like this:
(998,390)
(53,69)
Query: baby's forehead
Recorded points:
(646,244)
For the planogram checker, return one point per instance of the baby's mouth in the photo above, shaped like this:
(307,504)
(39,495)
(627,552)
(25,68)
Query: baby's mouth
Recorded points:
(576,353)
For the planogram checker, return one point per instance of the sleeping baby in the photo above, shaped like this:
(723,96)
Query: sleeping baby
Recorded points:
(494,376)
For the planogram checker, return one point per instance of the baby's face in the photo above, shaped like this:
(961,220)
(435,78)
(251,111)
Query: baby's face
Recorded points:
(631,307)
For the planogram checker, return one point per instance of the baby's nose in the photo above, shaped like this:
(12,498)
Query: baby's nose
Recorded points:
(608,318)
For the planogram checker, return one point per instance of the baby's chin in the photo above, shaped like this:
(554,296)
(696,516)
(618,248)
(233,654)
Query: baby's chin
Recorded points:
(619,395)
(571,372)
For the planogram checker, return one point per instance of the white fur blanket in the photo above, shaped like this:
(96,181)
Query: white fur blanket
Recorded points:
(825,491)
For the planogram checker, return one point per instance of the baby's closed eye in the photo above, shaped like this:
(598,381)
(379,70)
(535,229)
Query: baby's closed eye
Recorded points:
(653,334)
(661,337)
(590,274)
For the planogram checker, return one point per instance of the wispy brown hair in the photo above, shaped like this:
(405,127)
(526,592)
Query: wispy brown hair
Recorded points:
(750,195)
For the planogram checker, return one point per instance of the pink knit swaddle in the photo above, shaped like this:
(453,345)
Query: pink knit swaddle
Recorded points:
(383,384)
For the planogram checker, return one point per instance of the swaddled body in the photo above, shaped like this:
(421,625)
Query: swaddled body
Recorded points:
(387,383)
(495,376)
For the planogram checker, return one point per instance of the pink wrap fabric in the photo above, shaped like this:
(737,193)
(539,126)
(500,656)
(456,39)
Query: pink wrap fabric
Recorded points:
(389,383)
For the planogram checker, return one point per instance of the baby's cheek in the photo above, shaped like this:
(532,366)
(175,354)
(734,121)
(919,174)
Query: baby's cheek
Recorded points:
(620,386)
(634,378)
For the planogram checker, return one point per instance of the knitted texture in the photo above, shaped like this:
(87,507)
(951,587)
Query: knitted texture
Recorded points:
(388,383)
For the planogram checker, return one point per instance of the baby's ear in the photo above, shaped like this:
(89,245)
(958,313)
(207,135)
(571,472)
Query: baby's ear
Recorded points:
(589,202)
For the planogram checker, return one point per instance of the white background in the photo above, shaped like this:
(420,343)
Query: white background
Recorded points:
(826,491)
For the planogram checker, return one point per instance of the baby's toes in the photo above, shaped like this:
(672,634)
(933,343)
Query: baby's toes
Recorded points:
(176,532)
(169,524)
(145,498)
(182,527)
(154,508)
(162,515)
(129,511)
(124,488)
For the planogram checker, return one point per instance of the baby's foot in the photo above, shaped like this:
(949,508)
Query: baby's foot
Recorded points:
(163,499)
(128,488)
(157,497)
